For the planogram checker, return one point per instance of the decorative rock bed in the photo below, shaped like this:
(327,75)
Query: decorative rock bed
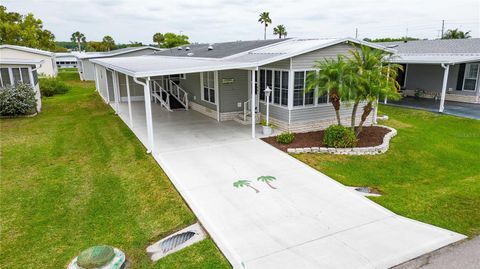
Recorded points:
(382,148)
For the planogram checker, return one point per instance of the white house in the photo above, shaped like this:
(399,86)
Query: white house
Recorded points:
(48,68)
(66,60)
(14,71)
(85,67)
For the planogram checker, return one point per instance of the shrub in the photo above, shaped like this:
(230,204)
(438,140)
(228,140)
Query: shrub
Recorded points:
(50,86)
(285,138)
(17,100)
(338,136)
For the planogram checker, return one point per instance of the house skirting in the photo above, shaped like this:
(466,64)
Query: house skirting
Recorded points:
(224,116)
(450,96)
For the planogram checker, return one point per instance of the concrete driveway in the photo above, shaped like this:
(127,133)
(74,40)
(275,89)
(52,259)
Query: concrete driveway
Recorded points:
(304,220)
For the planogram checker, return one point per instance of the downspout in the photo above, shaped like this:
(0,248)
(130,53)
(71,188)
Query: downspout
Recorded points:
(148,111)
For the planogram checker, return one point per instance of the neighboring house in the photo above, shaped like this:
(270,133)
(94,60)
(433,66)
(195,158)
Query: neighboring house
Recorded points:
(48,68)
(445,69)
(85,67)
(221,80)
(14,71)
(66,60)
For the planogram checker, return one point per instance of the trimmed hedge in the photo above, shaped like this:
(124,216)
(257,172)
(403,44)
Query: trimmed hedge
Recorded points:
(285,138)
(50,86)
(338,136)
(17,100)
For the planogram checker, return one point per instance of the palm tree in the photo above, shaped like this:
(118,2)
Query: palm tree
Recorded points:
(456,34)
(244,183)
(78,38)
(108,42)
(332,79)
(267,180)
(280,30)
(158,38)
(265,20)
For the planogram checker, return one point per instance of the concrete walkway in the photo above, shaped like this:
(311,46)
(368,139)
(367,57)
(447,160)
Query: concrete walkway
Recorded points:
(464,255)
(304,220)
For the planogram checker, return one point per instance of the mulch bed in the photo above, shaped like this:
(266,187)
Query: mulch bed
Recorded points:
(369,137)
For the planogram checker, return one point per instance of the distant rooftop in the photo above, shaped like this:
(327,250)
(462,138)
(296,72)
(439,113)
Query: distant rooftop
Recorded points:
(463,46)
(88,55)
(28,49)
(218,50)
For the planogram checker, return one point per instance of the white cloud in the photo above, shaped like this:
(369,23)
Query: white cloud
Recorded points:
(226,20)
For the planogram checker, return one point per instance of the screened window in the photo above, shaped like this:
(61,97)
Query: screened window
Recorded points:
(35,77)
(17,78)
(208,93)
(471,77)
(277,81)
(309,96)
(25,75)
(276,87)
(5,77)
(284,88)
(298,82)
(262,85)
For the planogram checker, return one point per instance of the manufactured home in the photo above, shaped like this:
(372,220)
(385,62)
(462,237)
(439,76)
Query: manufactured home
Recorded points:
(227,81)
(66,60)
(85,66)
(48,67)
(444,69)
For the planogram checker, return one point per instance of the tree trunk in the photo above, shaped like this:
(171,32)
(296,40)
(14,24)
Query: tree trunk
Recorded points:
(366,111)
(265,33)
(335,100)
(256,191)
(268,183)
(354,113)
(79,47)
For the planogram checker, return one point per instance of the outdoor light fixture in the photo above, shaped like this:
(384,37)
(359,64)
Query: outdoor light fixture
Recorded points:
(267,130)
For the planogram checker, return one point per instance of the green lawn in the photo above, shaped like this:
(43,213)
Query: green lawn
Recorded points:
(75,176)
(431,172)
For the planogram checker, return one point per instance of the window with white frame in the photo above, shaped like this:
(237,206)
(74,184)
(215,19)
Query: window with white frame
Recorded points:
(208,87)
(277,81)
(14,75)
(300,97)
(5,77)
(471,77)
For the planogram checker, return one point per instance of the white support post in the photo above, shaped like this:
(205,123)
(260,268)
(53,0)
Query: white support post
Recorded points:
(217,93)
(290,86)
(252,105)
(148,112)
(116,92)
(444,87)
(129,100)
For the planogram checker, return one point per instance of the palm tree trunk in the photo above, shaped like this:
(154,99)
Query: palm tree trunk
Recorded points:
(265,32)
(354,113)
(256,191)
(78,44)
(335,100)
(268,183)
(366,111)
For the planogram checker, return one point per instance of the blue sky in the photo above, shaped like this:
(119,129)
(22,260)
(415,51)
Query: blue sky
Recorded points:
(227,20)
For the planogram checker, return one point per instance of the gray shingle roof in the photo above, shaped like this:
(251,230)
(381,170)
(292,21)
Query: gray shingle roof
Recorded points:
(463,46)
(219,50)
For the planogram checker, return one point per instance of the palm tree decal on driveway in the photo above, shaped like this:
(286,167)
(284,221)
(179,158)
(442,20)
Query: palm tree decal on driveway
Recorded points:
(267,180)
(244,183)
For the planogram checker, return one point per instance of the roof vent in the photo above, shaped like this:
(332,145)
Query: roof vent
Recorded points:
(187,48)
(179,48)
(210,47)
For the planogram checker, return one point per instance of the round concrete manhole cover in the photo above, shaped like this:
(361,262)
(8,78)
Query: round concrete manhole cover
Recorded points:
(176,240)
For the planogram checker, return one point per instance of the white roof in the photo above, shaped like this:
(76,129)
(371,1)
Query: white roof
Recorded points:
(112,53)
(20,61)
(156,65)
(27,49)
(454,58)
(65,56)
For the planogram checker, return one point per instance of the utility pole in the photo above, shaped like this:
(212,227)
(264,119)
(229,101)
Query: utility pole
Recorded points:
(356,33)
(443,28)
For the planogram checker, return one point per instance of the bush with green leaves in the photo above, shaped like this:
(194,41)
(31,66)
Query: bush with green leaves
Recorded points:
(338,136)
(285,138)
(50,86)
(17,100)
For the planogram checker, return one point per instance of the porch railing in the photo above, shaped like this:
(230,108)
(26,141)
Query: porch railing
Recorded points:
(246,108)
(159,93)
(178,93)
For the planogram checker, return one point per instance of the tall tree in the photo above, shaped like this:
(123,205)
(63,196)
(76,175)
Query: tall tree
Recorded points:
(456,34)
(264,18)
(24,30)
(174,40)
(78,38)
(280,30)
(159,39)
(108,42)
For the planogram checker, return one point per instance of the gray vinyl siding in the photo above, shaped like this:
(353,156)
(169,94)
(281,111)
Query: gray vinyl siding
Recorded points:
(135,88)
(307,60)
(322,112)
(192,85)
(283,64)
(232,94)
(276,112)
(429,77)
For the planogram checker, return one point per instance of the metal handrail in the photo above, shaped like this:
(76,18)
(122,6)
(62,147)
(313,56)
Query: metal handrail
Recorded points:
(165,103)
(245,109)
(180,94)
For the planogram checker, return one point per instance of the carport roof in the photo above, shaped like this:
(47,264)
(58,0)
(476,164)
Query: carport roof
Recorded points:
(435,58)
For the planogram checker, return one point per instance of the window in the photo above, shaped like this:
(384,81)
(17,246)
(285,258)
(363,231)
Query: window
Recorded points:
(277,81)
(298,82)
(276,87)
(25,75)
(5,76)
(284,88)
(35,77)
(208,90)
(471,77)
(17,78)
(309,96)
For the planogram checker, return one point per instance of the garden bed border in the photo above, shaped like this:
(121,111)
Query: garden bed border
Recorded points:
(382,148)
